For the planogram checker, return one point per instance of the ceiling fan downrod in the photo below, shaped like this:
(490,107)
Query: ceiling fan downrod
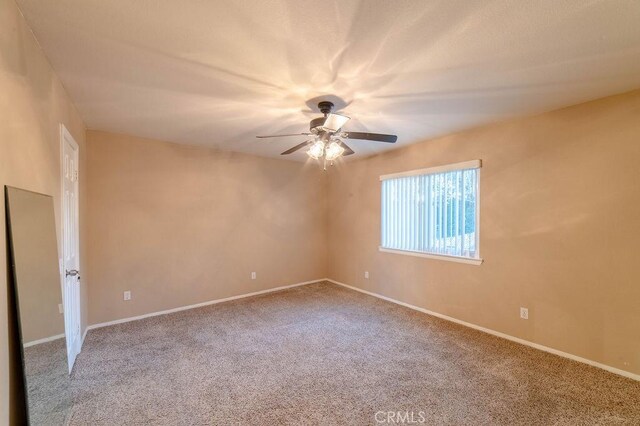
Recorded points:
(325,107)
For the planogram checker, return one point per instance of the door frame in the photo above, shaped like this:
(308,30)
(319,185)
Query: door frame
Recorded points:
(67,137)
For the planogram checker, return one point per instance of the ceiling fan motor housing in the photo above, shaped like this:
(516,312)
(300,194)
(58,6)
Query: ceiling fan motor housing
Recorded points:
(315,125)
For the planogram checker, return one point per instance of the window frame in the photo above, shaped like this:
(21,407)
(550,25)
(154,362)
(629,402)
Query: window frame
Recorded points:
(465,165)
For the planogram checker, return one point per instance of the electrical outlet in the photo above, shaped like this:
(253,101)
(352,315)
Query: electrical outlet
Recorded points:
(524,313)
(127,295)
(366,274)
(60,308)
(253,275)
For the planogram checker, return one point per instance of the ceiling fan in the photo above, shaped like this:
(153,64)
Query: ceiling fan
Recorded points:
(327,136)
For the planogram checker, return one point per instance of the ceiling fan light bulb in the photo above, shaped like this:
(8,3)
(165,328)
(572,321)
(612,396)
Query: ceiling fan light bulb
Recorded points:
(317,150)
(334,151)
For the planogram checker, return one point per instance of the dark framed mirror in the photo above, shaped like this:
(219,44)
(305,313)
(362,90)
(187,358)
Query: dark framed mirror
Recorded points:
(33,254)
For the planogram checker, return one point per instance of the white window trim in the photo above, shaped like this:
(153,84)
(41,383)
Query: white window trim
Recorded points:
(471,164)
(459,259)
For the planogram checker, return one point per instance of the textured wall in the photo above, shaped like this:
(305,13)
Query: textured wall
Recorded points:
(178,225)
(559,224)
(33,103)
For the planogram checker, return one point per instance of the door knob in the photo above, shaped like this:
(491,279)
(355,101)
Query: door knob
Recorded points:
(73,273)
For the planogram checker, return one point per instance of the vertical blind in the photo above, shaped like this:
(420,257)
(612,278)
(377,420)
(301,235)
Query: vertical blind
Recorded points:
(432,211)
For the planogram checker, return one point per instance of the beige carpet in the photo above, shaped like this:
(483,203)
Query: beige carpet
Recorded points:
(322,354)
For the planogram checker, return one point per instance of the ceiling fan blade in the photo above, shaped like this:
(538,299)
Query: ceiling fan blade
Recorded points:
(377,137)
(334,122)
(297,147)
(347,149)
(282,136)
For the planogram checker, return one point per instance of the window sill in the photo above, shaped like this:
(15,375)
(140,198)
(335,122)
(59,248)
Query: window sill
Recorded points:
(459,259)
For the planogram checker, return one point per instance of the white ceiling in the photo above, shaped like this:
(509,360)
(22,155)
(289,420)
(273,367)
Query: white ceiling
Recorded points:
(217,73)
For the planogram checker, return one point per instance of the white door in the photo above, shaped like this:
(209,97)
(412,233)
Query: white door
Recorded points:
(70,245)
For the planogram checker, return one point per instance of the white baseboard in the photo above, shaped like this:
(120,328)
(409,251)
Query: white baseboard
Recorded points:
(199,305)
(497,333)
(44,340)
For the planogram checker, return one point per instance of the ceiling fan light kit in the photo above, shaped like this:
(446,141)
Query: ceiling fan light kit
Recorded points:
(327,132)
(333,151)
(317,150)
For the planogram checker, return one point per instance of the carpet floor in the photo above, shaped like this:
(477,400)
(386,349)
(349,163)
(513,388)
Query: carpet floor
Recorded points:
(323,354)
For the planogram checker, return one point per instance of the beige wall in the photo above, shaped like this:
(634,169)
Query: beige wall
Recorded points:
(560,222)
(32,105)
(178,225)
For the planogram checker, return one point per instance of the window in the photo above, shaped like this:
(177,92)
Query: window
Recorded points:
(433,212)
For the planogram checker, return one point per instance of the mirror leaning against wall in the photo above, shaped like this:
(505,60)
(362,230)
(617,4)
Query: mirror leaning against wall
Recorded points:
(33,252)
